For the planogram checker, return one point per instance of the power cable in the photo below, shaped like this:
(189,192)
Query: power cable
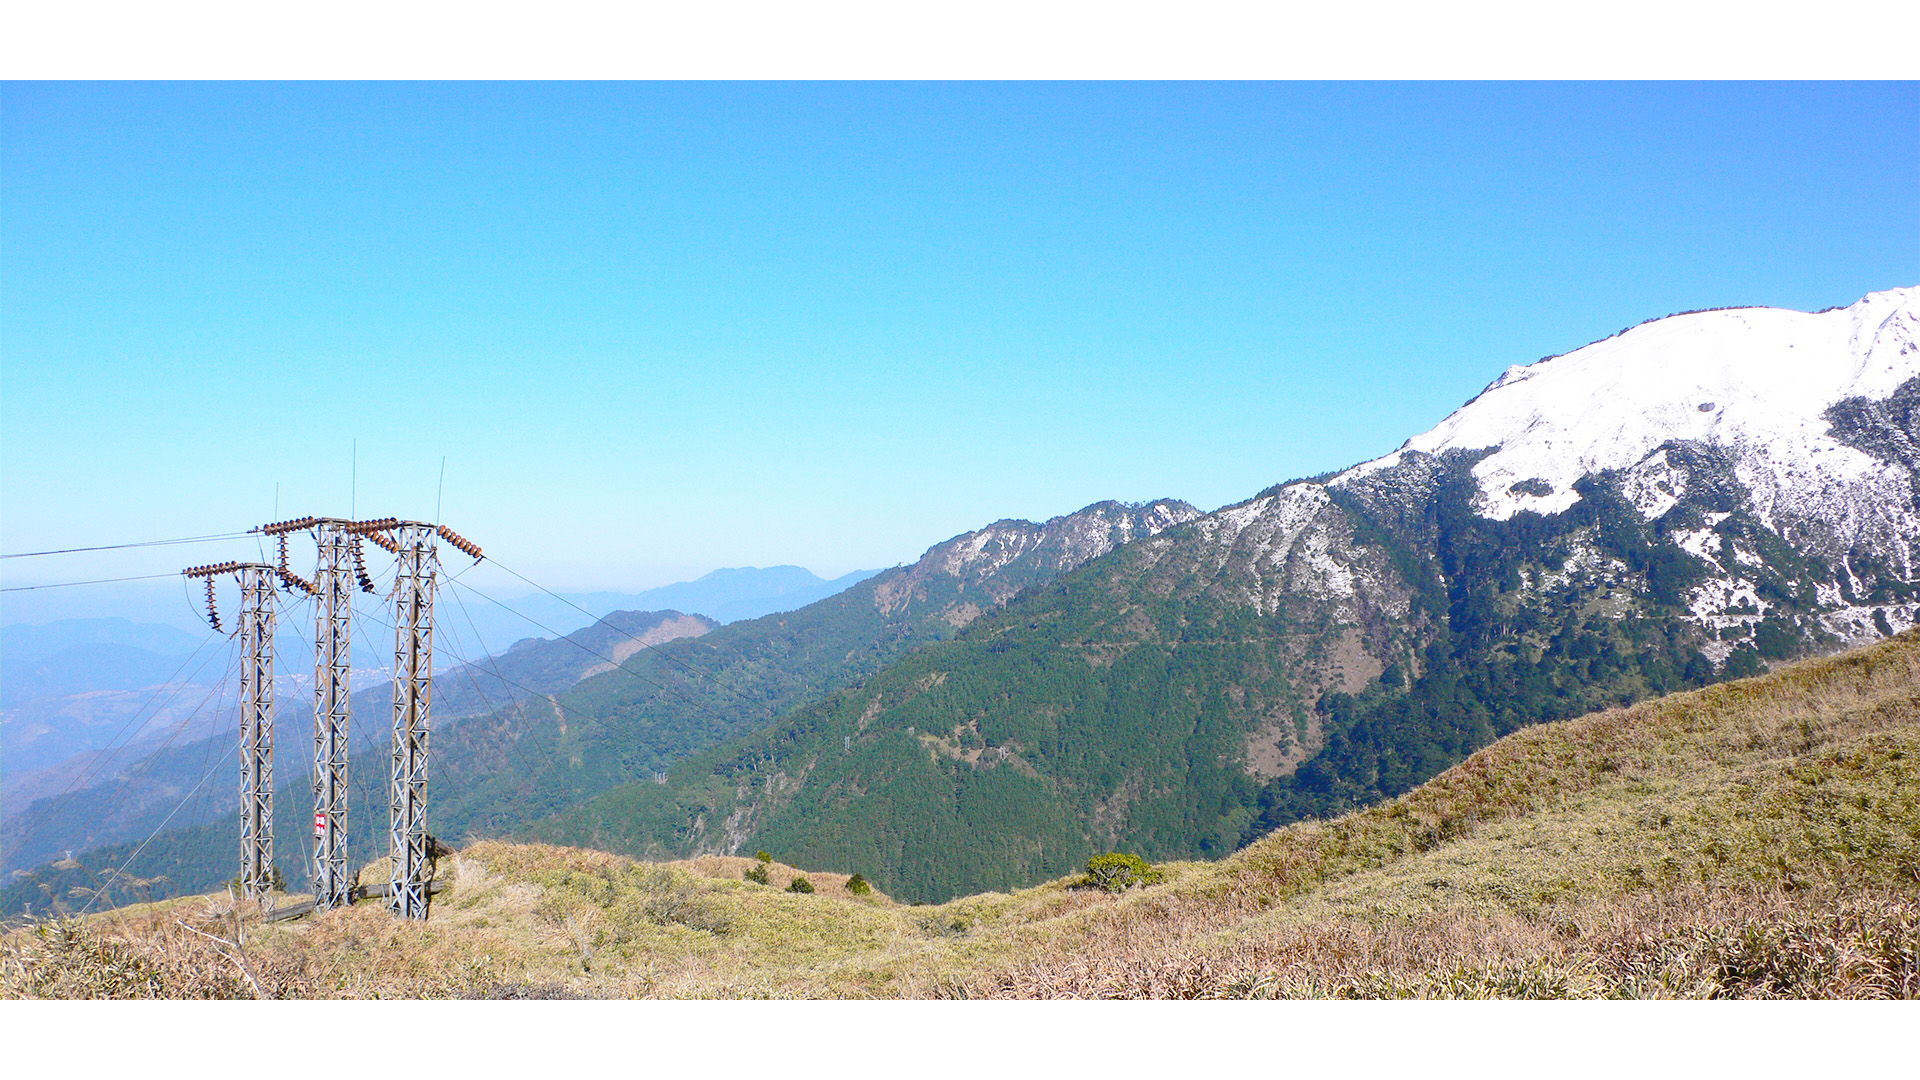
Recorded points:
(697,703)
(219,707)
(96,581)
(135,544)
(361,618)
(306,835)
(148,763)
(113,744)
(138,772)
(669,657)
(480,640)
(467,665)
(122,868)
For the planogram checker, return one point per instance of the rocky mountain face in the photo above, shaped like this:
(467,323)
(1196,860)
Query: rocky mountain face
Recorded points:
(1688,501)
(956,581)
(1775,449)
(663,705)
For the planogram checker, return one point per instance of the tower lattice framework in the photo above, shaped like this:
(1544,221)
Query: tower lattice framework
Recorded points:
(257,622)
(415,581)
(332,687)
(256,636)
(341,565)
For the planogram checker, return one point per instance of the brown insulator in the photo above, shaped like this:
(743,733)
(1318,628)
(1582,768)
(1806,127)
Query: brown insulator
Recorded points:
(281,528)
(471,549)
(384,541)
(360,567)
(213,613)
(209,570)
(294,581)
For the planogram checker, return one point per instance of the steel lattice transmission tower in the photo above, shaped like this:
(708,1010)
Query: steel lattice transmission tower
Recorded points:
(414,584)
(415,581)
(256,632)
(257,623)
(332,710)
(332,592)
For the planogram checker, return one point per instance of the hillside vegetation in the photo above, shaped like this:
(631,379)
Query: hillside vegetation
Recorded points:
(1756,838)
(101,810)
(1183,695)
(1695,501)
(574,730)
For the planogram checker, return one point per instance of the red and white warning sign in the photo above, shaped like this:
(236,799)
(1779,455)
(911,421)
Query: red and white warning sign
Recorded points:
(319,825)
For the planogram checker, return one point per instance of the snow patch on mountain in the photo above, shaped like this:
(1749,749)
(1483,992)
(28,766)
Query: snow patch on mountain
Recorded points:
(1296,545)
(1752,382)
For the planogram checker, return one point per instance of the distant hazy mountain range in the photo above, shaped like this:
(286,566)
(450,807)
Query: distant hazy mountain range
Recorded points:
(728,596)
(83,701)
(538,753)
(725,596)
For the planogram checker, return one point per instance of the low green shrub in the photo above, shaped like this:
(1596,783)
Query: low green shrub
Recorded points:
(857,885)
(1118,872)
(800,884)
(763,856)
(757,875)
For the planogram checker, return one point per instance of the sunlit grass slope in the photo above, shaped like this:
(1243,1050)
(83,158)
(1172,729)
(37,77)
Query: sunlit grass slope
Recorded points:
(1756,838)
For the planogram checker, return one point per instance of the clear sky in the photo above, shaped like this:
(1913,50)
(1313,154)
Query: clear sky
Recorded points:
(656,329)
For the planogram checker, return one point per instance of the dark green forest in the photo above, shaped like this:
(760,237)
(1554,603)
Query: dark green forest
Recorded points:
(541,754)
(1109,711)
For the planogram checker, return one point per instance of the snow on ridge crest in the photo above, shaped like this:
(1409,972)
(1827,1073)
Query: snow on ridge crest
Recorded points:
(1754,381)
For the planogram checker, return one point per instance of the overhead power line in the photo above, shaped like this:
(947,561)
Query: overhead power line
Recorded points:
(102,757)
(469,666)
(96,581)
(136,544)
(614,664)
(643,643)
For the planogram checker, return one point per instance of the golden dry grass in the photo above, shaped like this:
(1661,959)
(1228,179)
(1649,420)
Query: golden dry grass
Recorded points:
(1759,838)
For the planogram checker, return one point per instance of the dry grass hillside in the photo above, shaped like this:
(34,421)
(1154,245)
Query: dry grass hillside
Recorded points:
(1758,839)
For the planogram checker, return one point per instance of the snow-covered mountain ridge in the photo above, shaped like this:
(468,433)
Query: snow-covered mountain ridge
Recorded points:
(1755,381)
(1803,428)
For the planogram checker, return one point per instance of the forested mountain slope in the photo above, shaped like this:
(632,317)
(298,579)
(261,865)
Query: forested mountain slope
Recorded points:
(1702,495)
(180,777)
(1756,839)
(572,738)
(667,703)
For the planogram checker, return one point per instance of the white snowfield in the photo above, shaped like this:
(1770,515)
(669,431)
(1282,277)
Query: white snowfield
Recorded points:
(1752,381)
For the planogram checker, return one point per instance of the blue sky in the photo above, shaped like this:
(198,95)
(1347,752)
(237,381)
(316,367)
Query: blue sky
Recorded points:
(657,329)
